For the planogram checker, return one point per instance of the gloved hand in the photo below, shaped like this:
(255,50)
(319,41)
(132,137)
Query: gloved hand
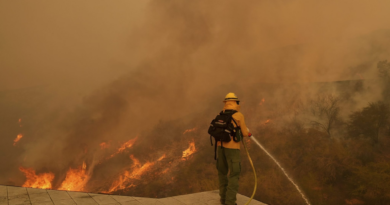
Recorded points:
(249,134)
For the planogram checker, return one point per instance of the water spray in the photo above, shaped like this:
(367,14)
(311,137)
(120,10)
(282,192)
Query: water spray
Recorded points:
(285,173)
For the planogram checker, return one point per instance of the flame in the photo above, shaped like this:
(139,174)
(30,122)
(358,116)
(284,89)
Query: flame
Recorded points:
(20,120)
(103,145)
(262,101)
(127,144)
(165,171)
(75,179)
(137,170)
(119,184)
(41,181)
(189,130)
(191,149)
(17,138)
(267,121)
(161,158)
(124,146)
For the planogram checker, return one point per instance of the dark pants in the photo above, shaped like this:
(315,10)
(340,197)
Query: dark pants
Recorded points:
(228,160)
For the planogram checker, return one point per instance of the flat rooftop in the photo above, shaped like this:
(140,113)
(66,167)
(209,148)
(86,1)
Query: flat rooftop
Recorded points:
(11,195)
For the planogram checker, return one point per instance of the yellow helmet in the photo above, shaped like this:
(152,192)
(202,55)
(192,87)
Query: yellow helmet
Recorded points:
(231,96)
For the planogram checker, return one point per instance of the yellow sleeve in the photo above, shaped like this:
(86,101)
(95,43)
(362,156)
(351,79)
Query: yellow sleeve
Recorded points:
(239,117)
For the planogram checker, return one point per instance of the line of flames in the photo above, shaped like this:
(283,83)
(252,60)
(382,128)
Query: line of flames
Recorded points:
(77,178)
(189,130)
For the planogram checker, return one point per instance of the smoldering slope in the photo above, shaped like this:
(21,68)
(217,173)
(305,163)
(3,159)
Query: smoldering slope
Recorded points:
(187,55)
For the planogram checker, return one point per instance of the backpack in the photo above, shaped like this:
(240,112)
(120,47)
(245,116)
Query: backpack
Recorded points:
(221,128)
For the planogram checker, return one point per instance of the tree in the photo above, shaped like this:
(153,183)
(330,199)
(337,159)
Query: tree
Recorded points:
(368,122)
(383,71)
(371,182)
(326,109)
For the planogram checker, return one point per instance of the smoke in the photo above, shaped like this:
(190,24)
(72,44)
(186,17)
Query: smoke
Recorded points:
(111,71)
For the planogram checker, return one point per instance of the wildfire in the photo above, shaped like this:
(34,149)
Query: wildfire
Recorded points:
(137,170)
(124,146)
(41,181)
(262,101)
(17,138)
(191,149)
(127,144)
(75,179)
(161,158)
(165,171)
(267,121)
(189,130)
(104,145)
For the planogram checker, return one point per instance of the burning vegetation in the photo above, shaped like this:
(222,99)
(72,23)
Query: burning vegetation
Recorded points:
(124,146)
(19,137)
(189,130)
(131,176)
(103,145)
(42,181)
(135,172)
(75,179)
(188,152)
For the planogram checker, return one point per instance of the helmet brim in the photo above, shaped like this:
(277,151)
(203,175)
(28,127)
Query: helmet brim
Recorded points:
(236,100)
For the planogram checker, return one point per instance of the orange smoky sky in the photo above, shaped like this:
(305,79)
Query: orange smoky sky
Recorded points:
(69,42)
(89,43)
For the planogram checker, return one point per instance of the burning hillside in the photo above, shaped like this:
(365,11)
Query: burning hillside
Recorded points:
(117,97)
(130,174)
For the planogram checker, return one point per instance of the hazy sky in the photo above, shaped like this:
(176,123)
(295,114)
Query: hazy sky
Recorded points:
(65,42)
(87,43)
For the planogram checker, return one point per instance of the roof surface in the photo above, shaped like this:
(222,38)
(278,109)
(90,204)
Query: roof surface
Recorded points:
(10,195)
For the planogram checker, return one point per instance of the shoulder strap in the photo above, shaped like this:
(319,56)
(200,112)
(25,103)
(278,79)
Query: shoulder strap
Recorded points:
(235,121)
(228,112)
(231,113)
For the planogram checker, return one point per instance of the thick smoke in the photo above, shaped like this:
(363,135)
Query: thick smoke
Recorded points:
(178,61)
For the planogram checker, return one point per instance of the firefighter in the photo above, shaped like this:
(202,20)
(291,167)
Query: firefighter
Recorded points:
(229,154)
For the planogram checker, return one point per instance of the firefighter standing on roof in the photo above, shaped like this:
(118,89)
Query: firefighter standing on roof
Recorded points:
(229,154)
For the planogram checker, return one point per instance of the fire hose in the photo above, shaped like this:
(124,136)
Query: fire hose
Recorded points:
(254,172)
